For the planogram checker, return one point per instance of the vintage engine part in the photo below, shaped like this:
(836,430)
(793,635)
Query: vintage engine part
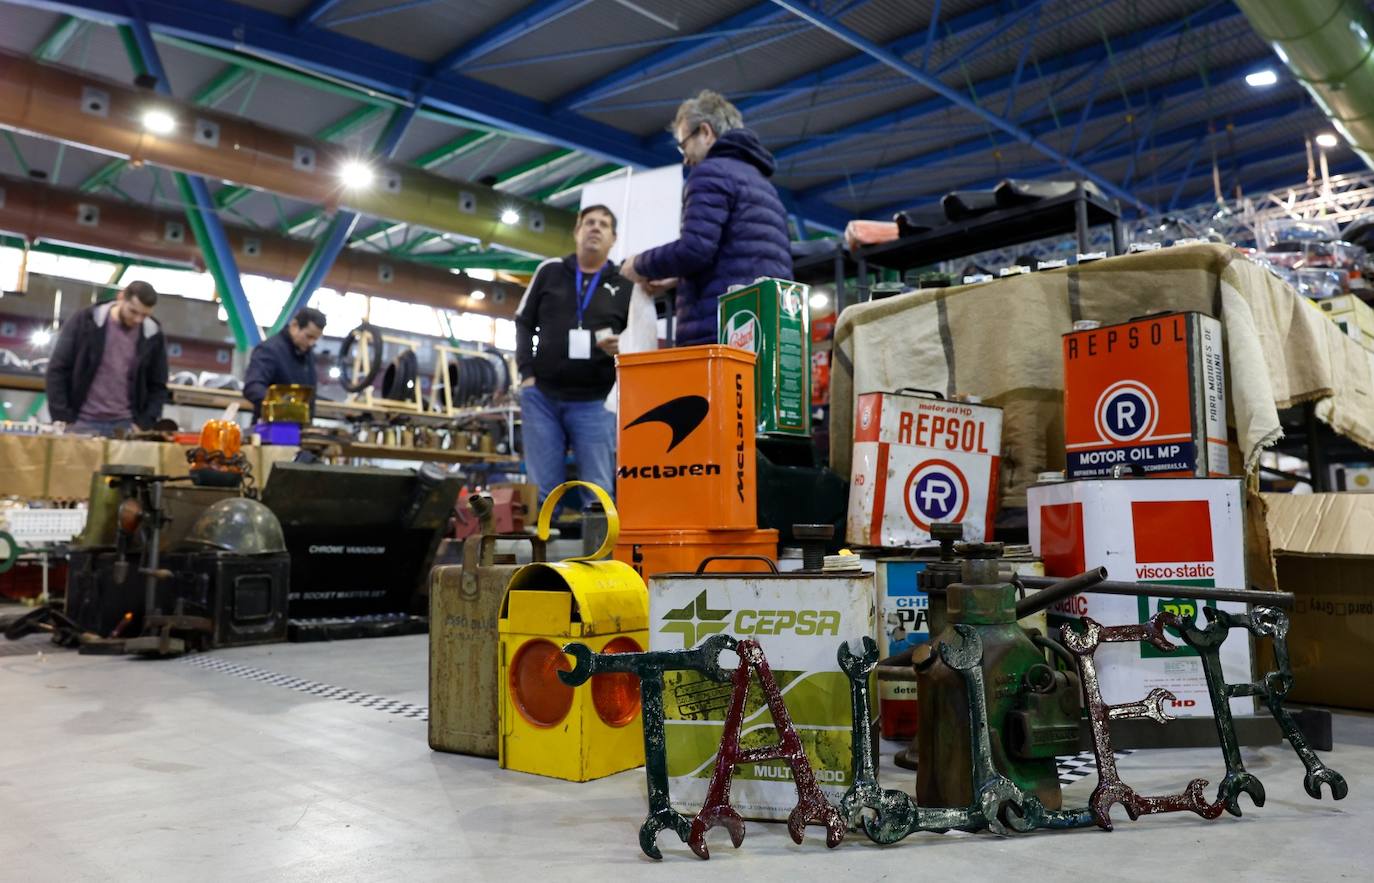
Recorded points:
(1110,789)
(1018,688)
(812,808)
(649,668)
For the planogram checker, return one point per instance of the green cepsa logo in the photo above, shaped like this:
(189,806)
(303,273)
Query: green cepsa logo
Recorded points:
(698,620)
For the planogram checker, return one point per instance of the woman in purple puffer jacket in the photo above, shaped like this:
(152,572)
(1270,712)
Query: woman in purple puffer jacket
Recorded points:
(734,228)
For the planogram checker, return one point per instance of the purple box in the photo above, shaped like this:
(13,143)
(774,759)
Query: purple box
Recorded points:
(279,433)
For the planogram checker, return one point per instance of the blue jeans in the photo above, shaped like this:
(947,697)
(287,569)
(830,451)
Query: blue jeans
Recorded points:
(100,427)
(551,424)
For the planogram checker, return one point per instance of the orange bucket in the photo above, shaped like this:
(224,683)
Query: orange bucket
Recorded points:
(686,441)
(652,552)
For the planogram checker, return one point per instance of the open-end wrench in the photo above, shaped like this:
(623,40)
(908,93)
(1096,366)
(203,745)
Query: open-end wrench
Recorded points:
(894,811)
(650,666)
(991,790)
(1110,789)
(1207,642)
(1273,623)
(812,808)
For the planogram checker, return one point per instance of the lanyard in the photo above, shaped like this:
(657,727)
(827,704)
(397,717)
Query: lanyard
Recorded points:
(584,300)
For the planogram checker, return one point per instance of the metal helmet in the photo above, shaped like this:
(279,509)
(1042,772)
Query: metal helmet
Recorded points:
(238,525)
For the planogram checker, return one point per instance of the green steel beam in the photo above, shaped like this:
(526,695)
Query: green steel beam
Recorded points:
(18,154)
(325,84)
(577,180)
(89,254)
(59,38)
(102,176)
(350,122)
(531,166)
(444,153)
(422,239)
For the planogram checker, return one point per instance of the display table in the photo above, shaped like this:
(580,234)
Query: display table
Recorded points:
(59,467)
(1000,341)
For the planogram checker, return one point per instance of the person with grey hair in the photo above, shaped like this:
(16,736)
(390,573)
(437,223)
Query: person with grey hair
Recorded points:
(734,227)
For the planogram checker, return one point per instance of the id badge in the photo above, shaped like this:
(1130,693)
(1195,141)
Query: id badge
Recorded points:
(579,343)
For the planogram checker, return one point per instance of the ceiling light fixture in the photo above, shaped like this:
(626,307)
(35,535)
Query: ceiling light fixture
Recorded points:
(159,121)
(1326,139)
(356,174)
(335,372)
(41,337)
(1261,79)
(819,301)
(510,216)
(478,295)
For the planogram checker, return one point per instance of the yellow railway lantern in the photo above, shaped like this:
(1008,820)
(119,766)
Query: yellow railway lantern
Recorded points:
(547,727)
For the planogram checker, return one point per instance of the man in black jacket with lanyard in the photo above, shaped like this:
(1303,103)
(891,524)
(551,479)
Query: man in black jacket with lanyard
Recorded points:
(576,307)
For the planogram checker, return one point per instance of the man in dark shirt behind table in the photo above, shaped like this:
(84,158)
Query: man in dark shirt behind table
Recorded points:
(576,307)
(108,371)
(286,357)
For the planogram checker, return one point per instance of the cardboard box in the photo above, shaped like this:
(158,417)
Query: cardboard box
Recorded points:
(1149,395)
(771,319)
(918,461)
(799,620)
(1324,548)
(686,442)
(1188,531)
(1351,315)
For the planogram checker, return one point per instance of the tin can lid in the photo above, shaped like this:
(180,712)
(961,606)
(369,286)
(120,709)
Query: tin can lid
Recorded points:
(1049,477)
(1086,325)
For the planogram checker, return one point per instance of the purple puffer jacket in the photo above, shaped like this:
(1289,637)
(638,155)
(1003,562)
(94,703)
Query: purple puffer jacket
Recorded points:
(734,230)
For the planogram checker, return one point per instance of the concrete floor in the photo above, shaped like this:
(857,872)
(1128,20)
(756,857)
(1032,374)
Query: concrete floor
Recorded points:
(119,769)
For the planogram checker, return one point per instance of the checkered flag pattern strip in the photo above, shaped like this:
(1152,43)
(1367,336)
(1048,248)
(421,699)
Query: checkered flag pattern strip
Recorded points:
(1077,766)
(314,688)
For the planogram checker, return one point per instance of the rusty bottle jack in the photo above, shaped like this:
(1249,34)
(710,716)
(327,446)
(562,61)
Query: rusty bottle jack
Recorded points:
(1013,668)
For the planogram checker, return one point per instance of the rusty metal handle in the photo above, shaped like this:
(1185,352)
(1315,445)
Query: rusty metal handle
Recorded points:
(772,567)
(930,392)
(1284,600)
(1057,591)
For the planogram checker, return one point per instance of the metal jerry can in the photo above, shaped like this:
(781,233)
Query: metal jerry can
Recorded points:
(546,726)
(1027,700)
(464,606)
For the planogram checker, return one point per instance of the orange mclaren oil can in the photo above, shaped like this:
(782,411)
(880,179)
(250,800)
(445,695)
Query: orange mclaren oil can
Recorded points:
(686,440)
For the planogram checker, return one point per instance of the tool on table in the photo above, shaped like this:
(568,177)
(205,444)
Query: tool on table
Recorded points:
(894,814)
(1271,623)
(811,808)
(1110,789)
(650,666)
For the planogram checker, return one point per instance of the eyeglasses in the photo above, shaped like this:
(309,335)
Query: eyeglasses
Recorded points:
(682,145)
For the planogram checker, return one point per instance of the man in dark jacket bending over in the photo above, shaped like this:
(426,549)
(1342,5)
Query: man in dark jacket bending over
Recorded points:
(734,228)
(109,369)
(285,357)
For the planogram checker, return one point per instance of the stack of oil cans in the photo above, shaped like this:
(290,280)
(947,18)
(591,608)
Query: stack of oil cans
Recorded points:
(686,476)
(1145,401)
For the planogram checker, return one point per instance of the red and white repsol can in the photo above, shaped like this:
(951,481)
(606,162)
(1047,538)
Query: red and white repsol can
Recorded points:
(918,460)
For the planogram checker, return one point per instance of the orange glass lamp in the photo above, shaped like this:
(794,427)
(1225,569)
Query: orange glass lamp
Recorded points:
(547,727)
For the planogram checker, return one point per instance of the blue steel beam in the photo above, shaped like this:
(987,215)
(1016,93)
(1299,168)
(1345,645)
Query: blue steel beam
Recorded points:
(230,26)
(216,242)
(329,246)
(312,14)
(1043,126)
(590,51)
(526,21)
(905,68)
(350,18)
(1087,55)
(835,74)
(627,78)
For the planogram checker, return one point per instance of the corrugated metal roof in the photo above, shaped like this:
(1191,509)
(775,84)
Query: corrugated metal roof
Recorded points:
(855,138)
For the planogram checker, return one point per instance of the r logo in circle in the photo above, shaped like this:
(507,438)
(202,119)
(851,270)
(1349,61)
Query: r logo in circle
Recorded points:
(935,491)
(1126,410)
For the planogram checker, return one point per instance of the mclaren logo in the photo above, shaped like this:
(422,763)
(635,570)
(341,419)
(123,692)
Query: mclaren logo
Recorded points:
(682,416)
